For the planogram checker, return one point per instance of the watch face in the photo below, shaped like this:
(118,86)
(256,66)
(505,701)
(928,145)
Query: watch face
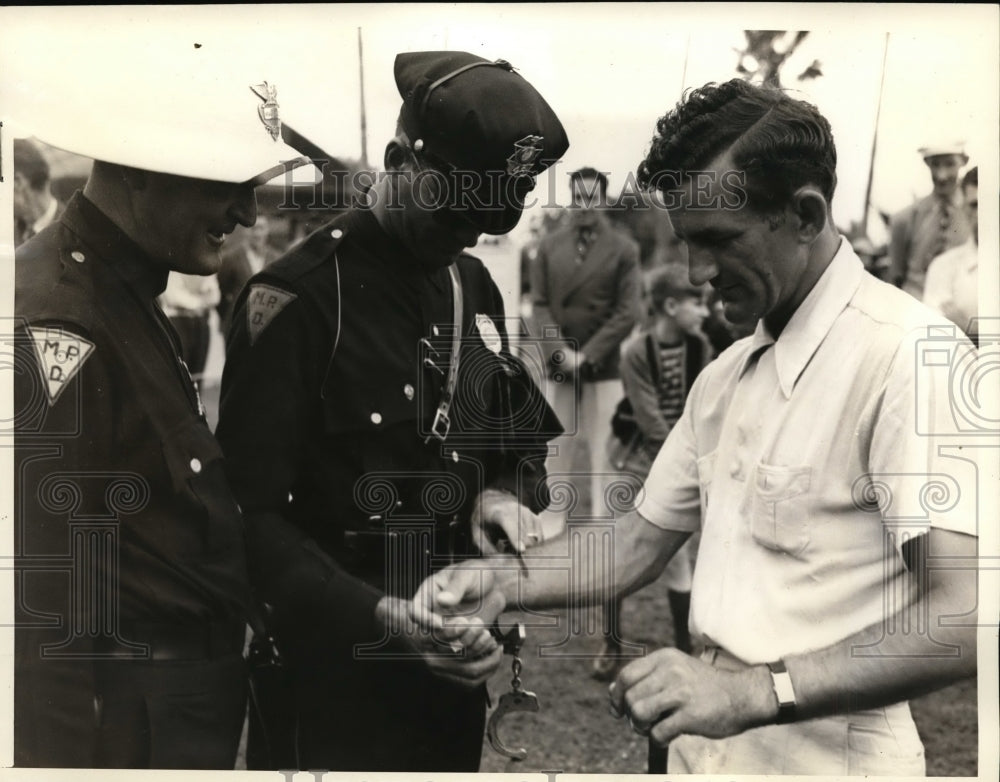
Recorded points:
(783,688)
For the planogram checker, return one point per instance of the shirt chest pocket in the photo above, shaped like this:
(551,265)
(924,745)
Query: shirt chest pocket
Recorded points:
(208,517)
(779,508)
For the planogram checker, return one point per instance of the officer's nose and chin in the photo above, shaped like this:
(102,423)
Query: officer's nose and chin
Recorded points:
(244,206)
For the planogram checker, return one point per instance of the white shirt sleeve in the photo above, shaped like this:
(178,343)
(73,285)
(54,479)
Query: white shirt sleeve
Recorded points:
(926,460)
(671,496)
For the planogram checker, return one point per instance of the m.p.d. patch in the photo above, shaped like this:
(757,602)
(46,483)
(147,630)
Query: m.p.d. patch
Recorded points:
(263,304)
(60,355)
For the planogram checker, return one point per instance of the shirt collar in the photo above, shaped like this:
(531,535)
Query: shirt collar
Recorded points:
(812,321)
(370,234)
(101,236)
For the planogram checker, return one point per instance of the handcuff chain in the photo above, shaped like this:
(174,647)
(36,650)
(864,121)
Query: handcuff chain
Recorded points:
(515,667)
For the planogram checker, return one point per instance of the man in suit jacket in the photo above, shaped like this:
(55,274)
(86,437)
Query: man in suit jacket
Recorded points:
(586,288)
(935,223)
(35,207)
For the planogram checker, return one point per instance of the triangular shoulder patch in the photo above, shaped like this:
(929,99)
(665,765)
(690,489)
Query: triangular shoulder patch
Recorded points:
(264,302)
(60,355)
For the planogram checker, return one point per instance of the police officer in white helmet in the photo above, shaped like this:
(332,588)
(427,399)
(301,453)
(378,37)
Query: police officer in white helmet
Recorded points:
(132,595)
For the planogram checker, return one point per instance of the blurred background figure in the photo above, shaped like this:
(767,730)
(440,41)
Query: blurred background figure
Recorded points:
(585,289)
(875,259)
(188,301)
(931,225)
(35,207)
(239,263)
(952,284)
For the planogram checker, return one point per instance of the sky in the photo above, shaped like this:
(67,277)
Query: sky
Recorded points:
(608,70)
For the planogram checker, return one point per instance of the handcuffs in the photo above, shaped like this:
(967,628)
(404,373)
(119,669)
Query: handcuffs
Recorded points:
(515,700)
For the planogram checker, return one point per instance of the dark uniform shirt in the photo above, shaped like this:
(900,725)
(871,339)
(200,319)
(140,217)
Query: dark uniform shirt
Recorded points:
(129,544)
(337,361)
(111,432)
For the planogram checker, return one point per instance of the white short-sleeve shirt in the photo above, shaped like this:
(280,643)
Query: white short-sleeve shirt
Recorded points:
(809,461)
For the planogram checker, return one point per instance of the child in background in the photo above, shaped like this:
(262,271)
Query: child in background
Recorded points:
(658,368)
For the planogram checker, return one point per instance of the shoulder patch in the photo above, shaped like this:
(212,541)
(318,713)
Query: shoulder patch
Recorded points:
(60,355)
(264,302)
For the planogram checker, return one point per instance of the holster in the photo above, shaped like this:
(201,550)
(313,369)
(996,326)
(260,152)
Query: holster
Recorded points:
(273,717)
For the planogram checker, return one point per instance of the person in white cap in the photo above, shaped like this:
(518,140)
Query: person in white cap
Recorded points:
(935,223)
(952,286)
(133,594)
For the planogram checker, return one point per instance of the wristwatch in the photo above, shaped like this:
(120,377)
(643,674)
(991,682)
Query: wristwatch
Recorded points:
(782,684)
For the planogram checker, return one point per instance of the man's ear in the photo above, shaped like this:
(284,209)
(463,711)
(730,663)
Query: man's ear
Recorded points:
(669,306)
(397,156)
(811,209)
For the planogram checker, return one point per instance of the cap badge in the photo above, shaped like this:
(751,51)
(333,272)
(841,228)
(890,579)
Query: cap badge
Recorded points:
(268,110)
(526,152)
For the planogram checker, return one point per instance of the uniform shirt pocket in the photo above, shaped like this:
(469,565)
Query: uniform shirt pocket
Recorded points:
(778,512)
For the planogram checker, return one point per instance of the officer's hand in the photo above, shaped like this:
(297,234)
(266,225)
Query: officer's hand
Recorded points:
(458,648)
(502,525)
(668,693)
(458,598)
(449,643)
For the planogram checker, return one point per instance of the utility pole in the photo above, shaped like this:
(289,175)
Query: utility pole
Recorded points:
(364,118)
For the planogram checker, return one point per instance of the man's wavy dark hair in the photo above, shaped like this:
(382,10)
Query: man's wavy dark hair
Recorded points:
(781,143)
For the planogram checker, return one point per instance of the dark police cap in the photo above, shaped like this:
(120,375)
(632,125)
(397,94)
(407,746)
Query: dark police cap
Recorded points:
(486,123)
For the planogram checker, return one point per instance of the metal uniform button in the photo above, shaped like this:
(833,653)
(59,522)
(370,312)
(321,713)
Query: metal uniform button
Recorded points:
(436,331)
(336,233)
(376,418)
(454,456)
(78,256)
(408,391)
(196,465)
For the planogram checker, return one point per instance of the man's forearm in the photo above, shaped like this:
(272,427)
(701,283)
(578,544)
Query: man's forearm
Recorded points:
(934,645)
(641,551)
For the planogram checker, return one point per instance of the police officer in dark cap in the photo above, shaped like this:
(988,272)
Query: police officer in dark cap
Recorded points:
(375,423)
(132,584)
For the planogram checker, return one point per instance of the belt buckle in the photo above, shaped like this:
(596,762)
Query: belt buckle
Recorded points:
(441,421)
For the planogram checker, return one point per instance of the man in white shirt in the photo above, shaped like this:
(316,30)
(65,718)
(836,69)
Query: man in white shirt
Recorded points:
(822,460)
(952,283)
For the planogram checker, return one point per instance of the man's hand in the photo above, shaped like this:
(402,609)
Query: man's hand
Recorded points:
(460,597)
(499,515)
(669,693)
(572,361)
(464,652)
